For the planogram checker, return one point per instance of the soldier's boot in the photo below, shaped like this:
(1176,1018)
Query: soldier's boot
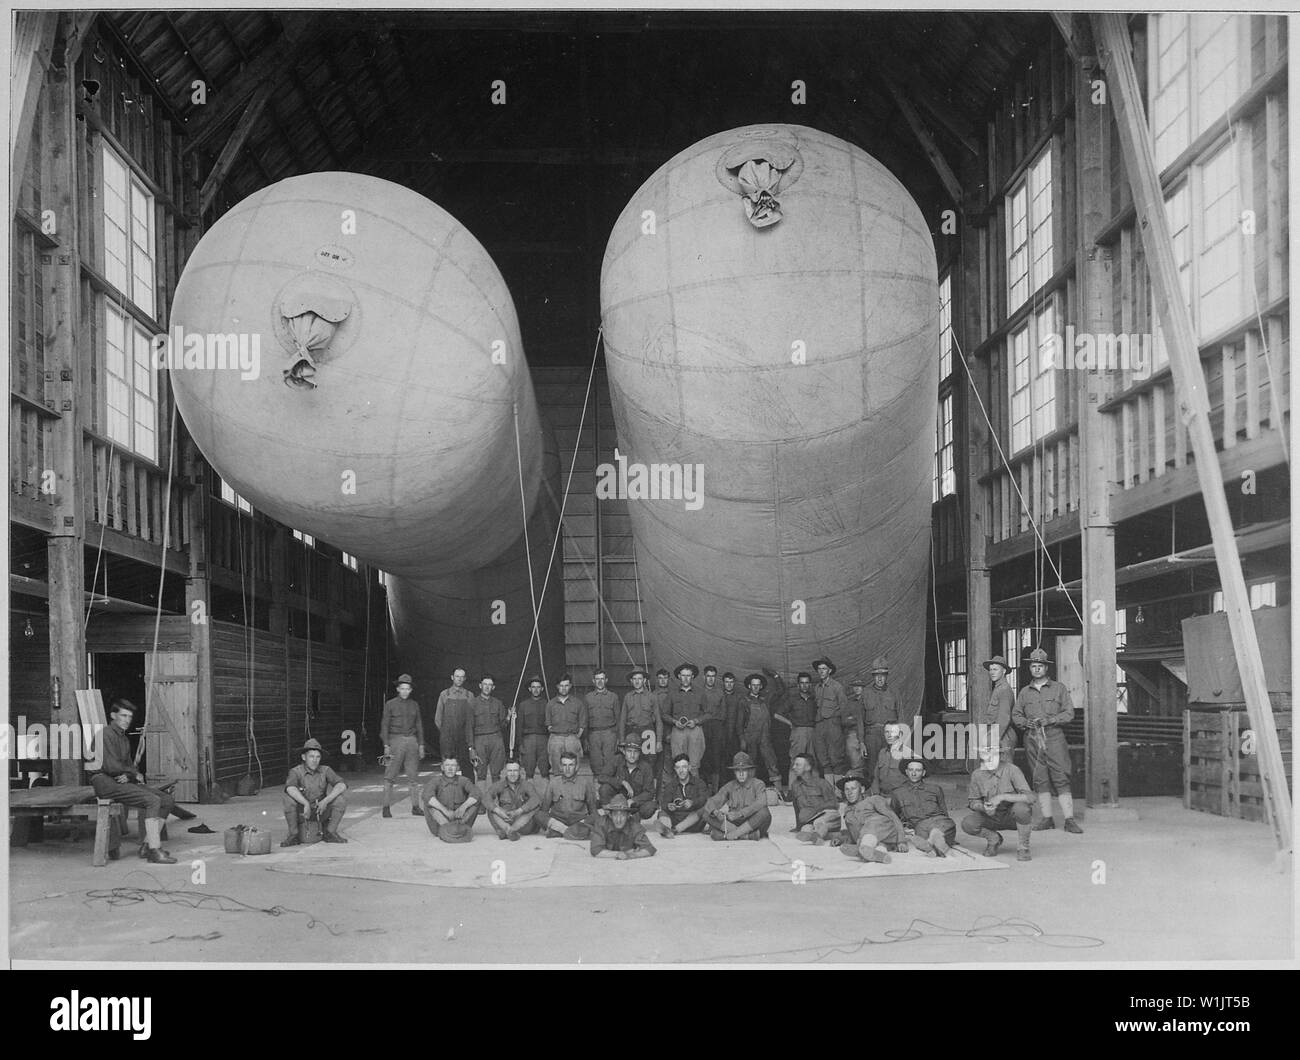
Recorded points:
(994,841)
(388,799)
(1023,832)
(1045,809)
(291,840)
(1067,810)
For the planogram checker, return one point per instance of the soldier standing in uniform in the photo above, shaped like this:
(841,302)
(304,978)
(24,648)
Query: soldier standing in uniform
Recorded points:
(566,721)
(713,724)
(530,720)
(640,714)
(602,726)
(454,719)
(828,735)
(855,726)
(1043,709)
(728,737)
(401,731)
(879,707)
(801,709)
(489,720)
(1002,701)
(754,728)
(684,712)
(318,790)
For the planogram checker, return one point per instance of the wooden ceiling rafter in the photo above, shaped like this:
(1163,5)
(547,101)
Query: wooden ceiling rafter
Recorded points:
(234,145)
(313,113)
(189,51)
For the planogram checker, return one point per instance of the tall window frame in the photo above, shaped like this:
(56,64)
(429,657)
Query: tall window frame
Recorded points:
(131,384)
(954,673)
(1031,353)
(945,474)
(1030,244)
(945,326)
(129,243)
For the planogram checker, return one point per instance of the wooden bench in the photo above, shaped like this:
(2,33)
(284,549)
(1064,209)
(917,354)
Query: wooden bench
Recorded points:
(77,801)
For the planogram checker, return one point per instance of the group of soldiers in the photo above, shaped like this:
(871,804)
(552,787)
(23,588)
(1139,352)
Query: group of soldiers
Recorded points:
(657,757)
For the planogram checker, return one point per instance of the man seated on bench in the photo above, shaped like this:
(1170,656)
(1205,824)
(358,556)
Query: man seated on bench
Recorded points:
(118,781)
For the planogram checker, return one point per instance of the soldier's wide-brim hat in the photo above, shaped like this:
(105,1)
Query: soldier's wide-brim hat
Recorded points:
(903,763)
(741,761)
(880,666)
(998,659)
(618,802)
(841,781)
(403,679)
(312,745)
(761,678)
(695,670)
(818,662)
(631,739)
(638,671)
(1038,655)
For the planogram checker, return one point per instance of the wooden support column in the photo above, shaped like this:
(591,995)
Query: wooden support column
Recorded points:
(979,598)
(230,152)
(1113,47)
(1096,526)
(198,605)
(928,147)
(33,44)
(61,275)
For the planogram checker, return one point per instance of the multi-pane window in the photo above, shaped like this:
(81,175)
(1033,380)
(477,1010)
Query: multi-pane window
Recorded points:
(306,539)
(232,498)
(349,561)
(131,385)
(128,232)
(954,673)
(1014,642)
(1195,75)
(1121,676)
(945,327)
(945,479)
(1262,594)
(1218,257)
(1029,232)
(1032,351)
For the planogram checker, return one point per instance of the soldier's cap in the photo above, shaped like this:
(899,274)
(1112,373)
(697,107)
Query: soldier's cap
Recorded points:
(741,761)
(618,802)
(996,659)
(123,704)
(855,775)
(631,739)
(1038,655)
(903,763)
(880,666)
(312,745)
(823,660)
(686,666)
(638,670)
(759,677)
(403,679)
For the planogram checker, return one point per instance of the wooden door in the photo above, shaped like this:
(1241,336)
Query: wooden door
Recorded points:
(171,719)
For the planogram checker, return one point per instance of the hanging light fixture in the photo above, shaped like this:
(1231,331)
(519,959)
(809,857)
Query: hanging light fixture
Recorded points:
(1138,619)
(27,630)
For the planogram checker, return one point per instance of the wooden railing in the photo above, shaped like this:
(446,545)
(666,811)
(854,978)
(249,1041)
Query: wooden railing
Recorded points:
(128,494)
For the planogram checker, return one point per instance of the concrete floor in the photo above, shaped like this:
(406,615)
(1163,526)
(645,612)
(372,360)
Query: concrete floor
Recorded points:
(1174,885)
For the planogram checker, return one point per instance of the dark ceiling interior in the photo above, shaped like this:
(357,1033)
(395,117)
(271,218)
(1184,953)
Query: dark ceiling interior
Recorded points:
(595,103)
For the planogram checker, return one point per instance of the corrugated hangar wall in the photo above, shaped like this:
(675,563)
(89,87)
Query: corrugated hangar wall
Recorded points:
(602,626)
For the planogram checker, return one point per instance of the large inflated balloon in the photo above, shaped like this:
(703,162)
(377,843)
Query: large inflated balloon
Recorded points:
(770,307)
(380,418)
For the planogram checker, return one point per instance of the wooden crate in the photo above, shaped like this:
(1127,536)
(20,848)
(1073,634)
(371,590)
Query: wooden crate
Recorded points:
(1218,775)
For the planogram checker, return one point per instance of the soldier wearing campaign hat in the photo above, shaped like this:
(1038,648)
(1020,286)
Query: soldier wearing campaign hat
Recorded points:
(313,791)
(617,832)
(739,809)
(1043,709)
(640,714)
(880,706)
(401,731)
(996,715)
(632,776)
(754,727)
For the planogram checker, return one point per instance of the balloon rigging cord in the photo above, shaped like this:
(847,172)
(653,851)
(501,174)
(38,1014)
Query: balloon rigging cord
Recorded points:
(162,576)
(528,562)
